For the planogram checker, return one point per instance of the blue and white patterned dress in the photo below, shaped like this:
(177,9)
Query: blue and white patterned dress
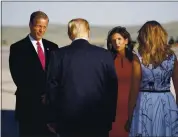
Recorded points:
(156,113)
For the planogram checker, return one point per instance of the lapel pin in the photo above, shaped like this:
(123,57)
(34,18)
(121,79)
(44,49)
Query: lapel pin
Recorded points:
(47,48)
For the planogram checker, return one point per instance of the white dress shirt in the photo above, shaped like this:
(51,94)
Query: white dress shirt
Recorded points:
(33,41)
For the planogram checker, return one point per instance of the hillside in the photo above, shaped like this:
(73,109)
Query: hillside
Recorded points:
(58,33)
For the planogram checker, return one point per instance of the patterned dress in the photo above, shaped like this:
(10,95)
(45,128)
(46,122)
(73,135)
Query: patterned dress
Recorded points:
(156,111)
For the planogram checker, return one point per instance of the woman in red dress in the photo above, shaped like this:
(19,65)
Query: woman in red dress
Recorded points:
(120,44)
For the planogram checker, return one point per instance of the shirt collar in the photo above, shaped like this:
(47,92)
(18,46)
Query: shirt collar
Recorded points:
(35,41)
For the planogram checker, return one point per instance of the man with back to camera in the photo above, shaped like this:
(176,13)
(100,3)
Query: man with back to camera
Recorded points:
(81,86)
(28,61)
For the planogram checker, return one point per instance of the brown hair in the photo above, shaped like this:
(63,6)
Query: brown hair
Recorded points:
(126,35)
(153,47)
(37,15)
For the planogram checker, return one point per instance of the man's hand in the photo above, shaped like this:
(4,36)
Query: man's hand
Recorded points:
(52,127)
(43,99)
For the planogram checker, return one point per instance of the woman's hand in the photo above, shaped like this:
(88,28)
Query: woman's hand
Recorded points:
(127,126)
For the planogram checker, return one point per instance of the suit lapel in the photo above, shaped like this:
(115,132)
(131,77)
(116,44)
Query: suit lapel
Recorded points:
(31,49)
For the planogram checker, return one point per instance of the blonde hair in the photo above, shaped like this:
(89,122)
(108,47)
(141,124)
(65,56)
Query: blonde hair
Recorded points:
(153,47)
(78,26)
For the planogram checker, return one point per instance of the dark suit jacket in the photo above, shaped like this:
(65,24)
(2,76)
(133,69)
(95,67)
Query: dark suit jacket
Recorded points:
(82,87)
(29,77)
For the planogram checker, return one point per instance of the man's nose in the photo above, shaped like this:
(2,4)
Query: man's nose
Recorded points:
(40,30)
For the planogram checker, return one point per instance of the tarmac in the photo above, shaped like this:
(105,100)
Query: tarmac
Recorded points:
(9,125)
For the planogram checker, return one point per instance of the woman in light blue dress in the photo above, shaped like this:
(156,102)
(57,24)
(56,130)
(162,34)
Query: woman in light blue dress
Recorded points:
(153,111)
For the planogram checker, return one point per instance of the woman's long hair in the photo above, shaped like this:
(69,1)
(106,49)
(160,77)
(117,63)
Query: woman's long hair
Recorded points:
(125,34)
(153,47)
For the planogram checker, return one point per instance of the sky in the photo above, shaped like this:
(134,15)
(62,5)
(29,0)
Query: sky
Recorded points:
(97,13)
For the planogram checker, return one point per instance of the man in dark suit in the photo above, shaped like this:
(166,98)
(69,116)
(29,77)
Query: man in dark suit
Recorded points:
(82,86)
(28,63)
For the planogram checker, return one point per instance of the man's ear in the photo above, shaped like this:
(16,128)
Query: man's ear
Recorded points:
(30,24)
(88,33)
(70,36)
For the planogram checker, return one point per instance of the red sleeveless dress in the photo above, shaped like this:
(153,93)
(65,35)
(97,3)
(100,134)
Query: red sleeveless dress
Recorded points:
(124,69)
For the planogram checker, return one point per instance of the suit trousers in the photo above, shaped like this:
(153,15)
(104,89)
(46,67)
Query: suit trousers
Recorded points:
(34,129)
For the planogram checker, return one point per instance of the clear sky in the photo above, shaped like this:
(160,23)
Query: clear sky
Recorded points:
(97,13)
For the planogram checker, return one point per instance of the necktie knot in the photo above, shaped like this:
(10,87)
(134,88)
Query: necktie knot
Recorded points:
(38,44)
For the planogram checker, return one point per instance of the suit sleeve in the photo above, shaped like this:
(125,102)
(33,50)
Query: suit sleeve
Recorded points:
(53,81)
(16,67)
(112,86)
(55,46)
